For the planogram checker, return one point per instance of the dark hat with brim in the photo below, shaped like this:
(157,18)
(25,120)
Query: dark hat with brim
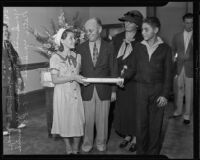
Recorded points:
(133,16)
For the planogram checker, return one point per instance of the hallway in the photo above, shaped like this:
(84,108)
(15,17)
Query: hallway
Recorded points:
(33,140)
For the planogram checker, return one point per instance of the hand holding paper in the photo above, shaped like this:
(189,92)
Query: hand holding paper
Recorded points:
(121,82)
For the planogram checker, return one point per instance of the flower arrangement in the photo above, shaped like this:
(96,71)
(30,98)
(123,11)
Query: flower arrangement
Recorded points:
(48,45)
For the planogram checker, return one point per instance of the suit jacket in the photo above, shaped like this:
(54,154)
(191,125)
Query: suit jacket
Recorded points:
(183,59)
(104,68)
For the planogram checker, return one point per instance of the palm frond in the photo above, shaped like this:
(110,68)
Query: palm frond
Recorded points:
(47,32)
(76,16)
(42,39)
(76,20)
(53,26)
(30,30)
(47,40)
(39,37)
(66,20)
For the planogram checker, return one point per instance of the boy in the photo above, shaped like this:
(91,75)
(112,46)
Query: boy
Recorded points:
(151,69)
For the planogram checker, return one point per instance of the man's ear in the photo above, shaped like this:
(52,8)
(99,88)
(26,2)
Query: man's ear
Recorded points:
(100,29)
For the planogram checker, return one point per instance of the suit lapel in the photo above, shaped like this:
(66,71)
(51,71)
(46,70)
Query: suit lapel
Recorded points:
(189,45)
(182,40)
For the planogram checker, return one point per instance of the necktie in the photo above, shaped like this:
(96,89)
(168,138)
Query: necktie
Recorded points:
(95,54)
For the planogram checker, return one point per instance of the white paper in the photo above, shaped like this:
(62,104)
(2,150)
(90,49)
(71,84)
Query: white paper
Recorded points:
(103,80)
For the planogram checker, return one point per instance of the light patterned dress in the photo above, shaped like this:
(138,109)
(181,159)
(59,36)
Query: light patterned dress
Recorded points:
(68,111)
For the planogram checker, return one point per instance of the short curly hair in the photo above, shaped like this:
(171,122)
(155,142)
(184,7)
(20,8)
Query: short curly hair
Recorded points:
(153,21)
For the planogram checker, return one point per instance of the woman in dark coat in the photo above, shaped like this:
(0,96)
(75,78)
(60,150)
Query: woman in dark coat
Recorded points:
(124,113)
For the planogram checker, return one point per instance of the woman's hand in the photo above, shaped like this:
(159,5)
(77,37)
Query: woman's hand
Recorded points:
(79,79)
(113,96)
(120,83)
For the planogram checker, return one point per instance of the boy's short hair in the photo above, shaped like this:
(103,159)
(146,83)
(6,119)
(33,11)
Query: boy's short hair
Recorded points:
(153,21)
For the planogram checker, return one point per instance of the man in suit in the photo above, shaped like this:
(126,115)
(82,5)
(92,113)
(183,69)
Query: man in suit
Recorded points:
(97,62)
(182,45)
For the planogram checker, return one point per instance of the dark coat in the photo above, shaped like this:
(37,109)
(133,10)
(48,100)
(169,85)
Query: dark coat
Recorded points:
(157,70)
(124,113)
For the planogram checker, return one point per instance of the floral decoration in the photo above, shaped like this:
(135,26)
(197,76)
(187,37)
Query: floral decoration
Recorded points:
(48,45)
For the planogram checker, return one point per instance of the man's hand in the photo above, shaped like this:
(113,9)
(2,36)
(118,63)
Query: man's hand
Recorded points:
(86,84)
(120,83)
(162,101)
(113,96)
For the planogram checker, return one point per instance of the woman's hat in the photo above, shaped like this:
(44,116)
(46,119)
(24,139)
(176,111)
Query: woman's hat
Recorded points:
(58,35)
(133,16)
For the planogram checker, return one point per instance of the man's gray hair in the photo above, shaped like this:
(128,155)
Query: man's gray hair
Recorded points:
(98,21)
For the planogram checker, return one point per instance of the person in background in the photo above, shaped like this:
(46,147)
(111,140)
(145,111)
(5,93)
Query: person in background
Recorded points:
(68,111)
(125,110)
(182,45)
(151,68)
(97,62)
(12,82)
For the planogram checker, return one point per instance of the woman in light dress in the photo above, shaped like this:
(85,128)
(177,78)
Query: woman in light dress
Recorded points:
(68,111)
